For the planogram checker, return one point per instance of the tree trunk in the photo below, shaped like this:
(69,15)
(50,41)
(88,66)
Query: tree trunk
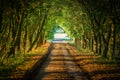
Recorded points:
(38,33)
(92,43)
(96,44)
(105,51)
(106,43)
(18,42)
(100,44)
(113,44)
(24,40)
(40,40)
(1,12)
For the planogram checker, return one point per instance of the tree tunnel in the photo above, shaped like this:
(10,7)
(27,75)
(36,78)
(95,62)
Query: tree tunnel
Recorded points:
(27,24)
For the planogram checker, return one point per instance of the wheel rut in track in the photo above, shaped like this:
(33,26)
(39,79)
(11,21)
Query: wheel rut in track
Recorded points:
(60,66)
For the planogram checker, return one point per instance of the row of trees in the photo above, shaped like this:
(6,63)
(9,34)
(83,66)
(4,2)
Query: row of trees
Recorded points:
(21,26)
(104,24)
(26,24)
(95,25)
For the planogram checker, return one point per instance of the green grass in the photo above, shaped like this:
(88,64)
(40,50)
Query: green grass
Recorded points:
(12,63)
(79,48)
(105,61)
(8,66)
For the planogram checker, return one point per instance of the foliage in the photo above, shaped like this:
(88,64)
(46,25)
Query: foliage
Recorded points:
(19,65)
(27,24)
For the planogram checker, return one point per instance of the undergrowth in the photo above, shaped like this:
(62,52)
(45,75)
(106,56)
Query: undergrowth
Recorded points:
(20,60)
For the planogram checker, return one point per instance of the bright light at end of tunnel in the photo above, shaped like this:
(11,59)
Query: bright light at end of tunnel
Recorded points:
(60,35)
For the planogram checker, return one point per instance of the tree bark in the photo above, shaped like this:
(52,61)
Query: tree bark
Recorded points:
(1,12)
(38,33)
(100,44)
(96,44)
(106,43)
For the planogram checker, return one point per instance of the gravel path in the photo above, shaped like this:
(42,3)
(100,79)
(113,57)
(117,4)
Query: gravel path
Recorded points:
(60,66)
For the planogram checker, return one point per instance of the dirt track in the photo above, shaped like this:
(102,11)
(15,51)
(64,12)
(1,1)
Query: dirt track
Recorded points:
(60,65)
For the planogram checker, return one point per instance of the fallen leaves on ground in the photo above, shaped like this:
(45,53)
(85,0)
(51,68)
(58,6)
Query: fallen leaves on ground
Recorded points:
(37,54)
(97,67)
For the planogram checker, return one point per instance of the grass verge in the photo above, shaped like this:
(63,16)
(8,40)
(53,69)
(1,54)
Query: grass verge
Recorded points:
(17,66)
(95,66)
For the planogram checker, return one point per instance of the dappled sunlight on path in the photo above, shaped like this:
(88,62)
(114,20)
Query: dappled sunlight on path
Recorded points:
(60,65)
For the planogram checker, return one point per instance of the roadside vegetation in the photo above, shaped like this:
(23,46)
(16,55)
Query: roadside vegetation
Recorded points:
(17,67)
(95,66)
(93,25)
